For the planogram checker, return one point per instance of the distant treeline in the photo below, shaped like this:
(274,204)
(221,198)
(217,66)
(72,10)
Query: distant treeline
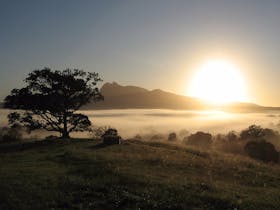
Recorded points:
(257,142)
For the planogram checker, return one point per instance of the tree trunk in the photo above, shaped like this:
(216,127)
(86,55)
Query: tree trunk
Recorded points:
(65,133)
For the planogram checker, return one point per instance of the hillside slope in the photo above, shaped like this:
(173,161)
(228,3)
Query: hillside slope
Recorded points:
(81,174)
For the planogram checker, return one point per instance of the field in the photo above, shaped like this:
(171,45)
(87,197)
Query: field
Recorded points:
(84,174)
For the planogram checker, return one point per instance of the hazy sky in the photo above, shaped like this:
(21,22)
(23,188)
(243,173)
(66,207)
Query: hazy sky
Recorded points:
(153,44)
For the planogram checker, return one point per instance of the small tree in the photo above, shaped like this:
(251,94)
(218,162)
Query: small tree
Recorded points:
(253,132)
(50,100)
(10,134)
(172,137)
(262,150)
(232,136)
(111,136)
(200,139)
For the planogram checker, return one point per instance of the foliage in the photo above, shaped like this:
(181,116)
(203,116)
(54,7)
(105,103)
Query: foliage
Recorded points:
(253,132)
(50,100)
(229,143)
(232,136)
(97,132)
(262,150)
(200,139)
(10,134)
(172,137)
(257,133)
(111,136)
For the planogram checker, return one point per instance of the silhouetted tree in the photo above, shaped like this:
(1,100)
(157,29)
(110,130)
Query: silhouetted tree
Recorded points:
(111,136)
(172,137)
(97,132)
(269,133)
(200,139)
(262,150)
(10,134)
(232,136)
(50,100)
(253,132)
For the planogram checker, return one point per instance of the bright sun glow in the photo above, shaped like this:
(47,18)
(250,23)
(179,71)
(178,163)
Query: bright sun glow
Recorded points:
(218,82)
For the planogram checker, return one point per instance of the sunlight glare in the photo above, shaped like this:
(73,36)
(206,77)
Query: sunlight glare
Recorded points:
(218,82)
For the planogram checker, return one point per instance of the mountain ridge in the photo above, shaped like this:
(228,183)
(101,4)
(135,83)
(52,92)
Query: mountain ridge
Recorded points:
(117,96)
(127,97)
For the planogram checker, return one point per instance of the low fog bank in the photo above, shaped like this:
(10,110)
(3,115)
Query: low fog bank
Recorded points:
(145,122)
(148,122)
(254,134)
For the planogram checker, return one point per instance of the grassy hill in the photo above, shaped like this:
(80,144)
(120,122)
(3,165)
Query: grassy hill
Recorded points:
(82,174)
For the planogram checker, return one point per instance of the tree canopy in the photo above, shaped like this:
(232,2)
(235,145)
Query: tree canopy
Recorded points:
(51,98)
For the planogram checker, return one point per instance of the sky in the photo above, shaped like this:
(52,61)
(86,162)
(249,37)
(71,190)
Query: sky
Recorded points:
(148,43)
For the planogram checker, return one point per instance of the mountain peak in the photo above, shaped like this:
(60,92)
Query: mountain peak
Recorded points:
(109,84)
(114,88)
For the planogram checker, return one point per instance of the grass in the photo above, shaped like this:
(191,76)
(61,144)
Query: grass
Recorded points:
(82,174)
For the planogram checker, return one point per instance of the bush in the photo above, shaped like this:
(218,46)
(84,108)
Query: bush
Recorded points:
(200,139)
(111,136)
(232,136)
(220,138)
(10,134)
(97,132)
(262,150)
(172,137)
(253,132)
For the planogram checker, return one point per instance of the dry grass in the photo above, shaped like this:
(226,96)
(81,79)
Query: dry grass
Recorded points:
(81,174)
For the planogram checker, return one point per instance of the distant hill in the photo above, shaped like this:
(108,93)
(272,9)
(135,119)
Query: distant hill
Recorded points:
(128,97)
(132,97)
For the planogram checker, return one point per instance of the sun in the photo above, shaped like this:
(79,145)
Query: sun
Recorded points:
(218,82)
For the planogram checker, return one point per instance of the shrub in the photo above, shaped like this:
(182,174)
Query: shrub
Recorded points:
(10,134)
(253,132)
(97,132)
(220,138)
(232,136)
(172,137)
(200,139)
(185,139)
(111,136)
(262,150)
(269,133)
